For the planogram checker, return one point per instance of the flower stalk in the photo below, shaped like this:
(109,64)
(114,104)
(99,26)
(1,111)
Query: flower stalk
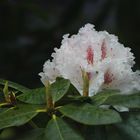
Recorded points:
(85,83)
(49,96)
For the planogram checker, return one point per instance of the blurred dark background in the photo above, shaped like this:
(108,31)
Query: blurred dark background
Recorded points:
(30,29)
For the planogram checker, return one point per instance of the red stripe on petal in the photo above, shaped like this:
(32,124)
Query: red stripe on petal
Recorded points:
(90,55)
(103,50)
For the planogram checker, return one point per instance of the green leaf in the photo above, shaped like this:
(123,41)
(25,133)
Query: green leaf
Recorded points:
(59,88)
(35,134)
(101,97)
(130,101)
(14,85)
(73,91)
(18,116)
(94,132)
(89,114)
(7,134)
(115,98)
(130,126)
(34,96)
(2,98)
(79,98)
(112,133)
(3,110)
(72,95)
(58,129)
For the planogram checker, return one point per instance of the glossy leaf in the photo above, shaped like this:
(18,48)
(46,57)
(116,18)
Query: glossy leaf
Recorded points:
(3,110)
(18,116)
(89,114)
(59,89)
(130,127)
(35,134)
(130,101)
(14,85)
(73,91)
(112,133)
(95,133)
(34,96)
(79,98)
(101,97)
(58,129)
(2,97)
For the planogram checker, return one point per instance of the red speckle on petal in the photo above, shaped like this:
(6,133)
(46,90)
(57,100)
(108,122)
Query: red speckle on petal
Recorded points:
(103,50)
(90,55)
(108,77)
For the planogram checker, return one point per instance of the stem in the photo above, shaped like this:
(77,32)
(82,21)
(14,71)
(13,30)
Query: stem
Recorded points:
(85,93)
(85,83)
(49,96)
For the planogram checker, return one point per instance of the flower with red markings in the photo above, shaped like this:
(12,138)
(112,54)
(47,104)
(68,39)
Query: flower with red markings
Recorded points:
(106,63)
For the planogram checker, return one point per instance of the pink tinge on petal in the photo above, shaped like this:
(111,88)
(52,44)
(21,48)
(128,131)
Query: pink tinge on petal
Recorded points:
(103,50)
(108,78)
(90,55)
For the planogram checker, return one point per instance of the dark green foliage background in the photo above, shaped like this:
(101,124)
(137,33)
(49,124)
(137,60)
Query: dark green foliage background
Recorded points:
(30,29)
(71,116)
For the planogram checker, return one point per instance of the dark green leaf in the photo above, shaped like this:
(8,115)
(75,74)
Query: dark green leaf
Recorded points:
(3,110)
(72,95)
(95,133)
(18,116)
(89,114)
(41,119)
(34,96)
(14,85)
(112,133)
(73,91)
(2,97)
(58,129)
(130,127)
(101,97)
(36,134)
(114,98)
(78,99)
(59,88)
(130,101)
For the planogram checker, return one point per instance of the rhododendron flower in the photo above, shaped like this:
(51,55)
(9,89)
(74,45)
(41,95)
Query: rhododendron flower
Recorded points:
(95,59)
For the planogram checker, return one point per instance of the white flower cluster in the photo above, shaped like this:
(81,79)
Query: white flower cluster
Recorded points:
(107,63)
